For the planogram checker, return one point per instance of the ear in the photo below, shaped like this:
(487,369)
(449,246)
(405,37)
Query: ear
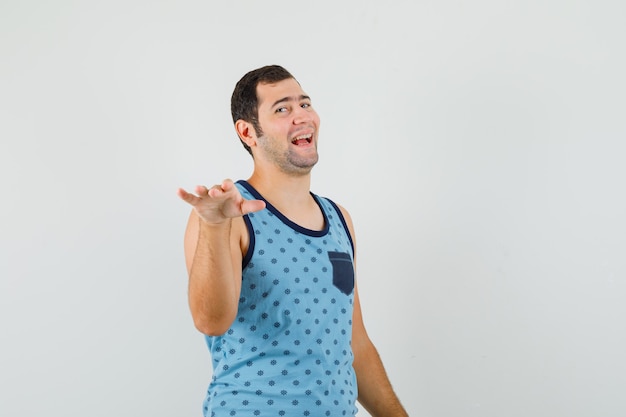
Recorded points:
(246,132)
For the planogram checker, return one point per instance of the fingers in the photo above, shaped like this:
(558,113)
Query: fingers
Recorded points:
(228,185)
(220,202)
(190,198)
(187,197)
(219,190)
(202,191)
(215,191)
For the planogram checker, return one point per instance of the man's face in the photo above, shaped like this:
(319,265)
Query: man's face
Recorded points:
(289,127)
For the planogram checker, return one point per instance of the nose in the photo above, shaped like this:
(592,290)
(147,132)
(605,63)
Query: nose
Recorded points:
(302,115)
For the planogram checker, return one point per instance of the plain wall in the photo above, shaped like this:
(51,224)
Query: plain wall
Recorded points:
(479,147)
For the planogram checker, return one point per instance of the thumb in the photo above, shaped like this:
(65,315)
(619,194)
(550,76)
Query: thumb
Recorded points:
(250,206)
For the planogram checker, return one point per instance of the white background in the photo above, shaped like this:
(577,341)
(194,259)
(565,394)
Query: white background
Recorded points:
(479,147)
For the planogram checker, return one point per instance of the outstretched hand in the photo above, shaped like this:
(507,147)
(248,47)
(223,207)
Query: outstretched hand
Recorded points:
(219,203)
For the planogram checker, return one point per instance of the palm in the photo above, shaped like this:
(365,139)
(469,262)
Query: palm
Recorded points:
(220,202)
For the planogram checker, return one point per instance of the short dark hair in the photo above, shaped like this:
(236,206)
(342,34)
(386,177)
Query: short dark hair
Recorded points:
(244,103)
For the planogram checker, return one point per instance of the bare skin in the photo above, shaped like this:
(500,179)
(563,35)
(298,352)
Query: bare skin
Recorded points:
(216,239)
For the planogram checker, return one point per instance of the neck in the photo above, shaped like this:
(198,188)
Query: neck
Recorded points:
(282,190)
(290,195)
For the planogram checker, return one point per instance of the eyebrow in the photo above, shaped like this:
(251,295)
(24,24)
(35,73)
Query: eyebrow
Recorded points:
(288,99)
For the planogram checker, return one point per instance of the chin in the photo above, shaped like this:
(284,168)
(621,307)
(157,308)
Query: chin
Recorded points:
(299,169)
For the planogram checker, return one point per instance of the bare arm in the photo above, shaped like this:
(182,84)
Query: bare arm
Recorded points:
(214,244)
(375,391)
(376,394)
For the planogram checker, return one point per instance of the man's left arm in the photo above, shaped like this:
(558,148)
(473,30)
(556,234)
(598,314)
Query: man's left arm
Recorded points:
(376,394)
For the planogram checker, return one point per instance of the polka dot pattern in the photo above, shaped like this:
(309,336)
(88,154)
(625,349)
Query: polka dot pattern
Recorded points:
(288,351)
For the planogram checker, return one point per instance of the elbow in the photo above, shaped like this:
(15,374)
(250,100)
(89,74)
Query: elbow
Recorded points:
(212,318)
(211,330)
(216,326)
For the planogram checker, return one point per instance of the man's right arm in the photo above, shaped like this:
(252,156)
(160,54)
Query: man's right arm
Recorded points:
(214,246)
(213,265)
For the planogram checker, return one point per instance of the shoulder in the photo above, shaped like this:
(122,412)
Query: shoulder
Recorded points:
(344,214)
(340,209)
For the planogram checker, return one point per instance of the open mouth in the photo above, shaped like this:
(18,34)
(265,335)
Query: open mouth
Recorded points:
(302,139)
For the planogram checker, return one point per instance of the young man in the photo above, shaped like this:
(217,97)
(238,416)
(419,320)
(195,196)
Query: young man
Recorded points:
(271,273)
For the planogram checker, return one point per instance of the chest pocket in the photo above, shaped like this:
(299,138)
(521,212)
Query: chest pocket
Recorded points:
(343,271)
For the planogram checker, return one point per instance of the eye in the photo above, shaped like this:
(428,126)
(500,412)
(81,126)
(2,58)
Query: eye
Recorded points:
(305,105)
(281,110)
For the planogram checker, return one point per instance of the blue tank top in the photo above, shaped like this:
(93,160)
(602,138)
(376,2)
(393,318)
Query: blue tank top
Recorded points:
(288,351)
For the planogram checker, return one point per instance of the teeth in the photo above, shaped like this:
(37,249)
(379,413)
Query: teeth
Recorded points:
(307,137)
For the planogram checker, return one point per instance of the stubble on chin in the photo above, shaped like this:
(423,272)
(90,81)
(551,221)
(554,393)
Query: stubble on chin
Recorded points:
(301,164)
(290,161)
